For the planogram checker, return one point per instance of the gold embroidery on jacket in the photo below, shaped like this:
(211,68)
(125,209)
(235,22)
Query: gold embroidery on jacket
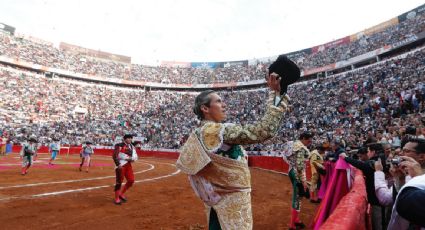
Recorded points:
(210,135)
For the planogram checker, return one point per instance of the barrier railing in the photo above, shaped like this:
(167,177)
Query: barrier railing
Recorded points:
(274,164)
(105,152)
(351,212)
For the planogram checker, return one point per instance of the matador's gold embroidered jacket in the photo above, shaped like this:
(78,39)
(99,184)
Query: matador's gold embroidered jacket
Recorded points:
(316,161)
(218,165)
(297,160)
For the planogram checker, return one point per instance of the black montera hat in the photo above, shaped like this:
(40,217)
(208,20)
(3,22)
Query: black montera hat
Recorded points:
(127,136)
(287,70)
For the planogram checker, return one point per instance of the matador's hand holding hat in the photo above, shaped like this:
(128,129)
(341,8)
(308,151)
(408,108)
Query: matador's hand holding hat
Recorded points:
(287,70)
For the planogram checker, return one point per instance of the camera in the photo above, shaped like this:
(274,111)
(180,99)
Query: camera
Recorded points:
(396,161)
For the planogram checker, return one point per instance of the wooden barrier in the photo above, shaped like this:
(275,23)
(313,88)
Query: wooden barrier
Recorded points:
(273,163)
(106,151)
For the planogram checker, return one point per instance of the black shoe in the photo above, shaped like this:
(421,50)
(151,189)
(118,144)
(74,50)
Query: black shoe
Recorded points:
(300,225)
(123,199)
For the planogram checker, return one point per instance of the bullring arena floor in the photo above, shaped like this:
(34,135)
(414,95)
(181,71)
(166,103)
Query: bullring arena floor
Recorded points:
(62,197)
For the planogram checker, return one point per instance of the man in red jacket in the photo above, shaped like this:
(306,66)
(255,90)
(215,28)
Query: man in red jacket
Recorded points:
(124,154)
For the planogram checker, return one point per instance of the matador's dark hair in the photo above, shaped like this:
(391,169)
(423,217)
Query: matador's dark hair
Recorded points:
(306,135)
(200,100)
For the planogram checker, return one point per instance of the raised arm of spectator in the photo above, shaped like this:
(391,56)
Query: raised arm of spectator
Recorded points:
(365,167)
(383,193)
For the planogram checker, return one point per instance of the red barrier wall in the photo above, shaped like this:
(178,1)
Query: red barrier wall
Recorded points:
(105,152)
(264,162)
(16,148)
(350,214)
(159,154)
(45,149)
(273,163)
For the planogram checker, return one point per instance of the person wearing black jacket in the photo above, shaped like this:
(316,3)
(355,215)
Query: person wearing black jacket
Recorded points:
(337,149)
(368,169)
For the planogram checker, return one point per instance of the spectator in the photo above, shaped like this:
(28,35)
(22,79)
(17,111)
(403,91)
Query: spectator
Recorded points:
(368,169)
(409,210)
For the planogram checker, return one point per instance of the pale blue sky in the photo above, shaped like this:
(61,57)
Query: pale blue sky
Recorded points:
(197,30)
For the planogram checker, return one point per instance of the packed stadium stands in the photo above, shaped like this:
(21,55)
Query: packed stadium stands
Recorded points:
(379,98)
(371,99)
(394,31)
